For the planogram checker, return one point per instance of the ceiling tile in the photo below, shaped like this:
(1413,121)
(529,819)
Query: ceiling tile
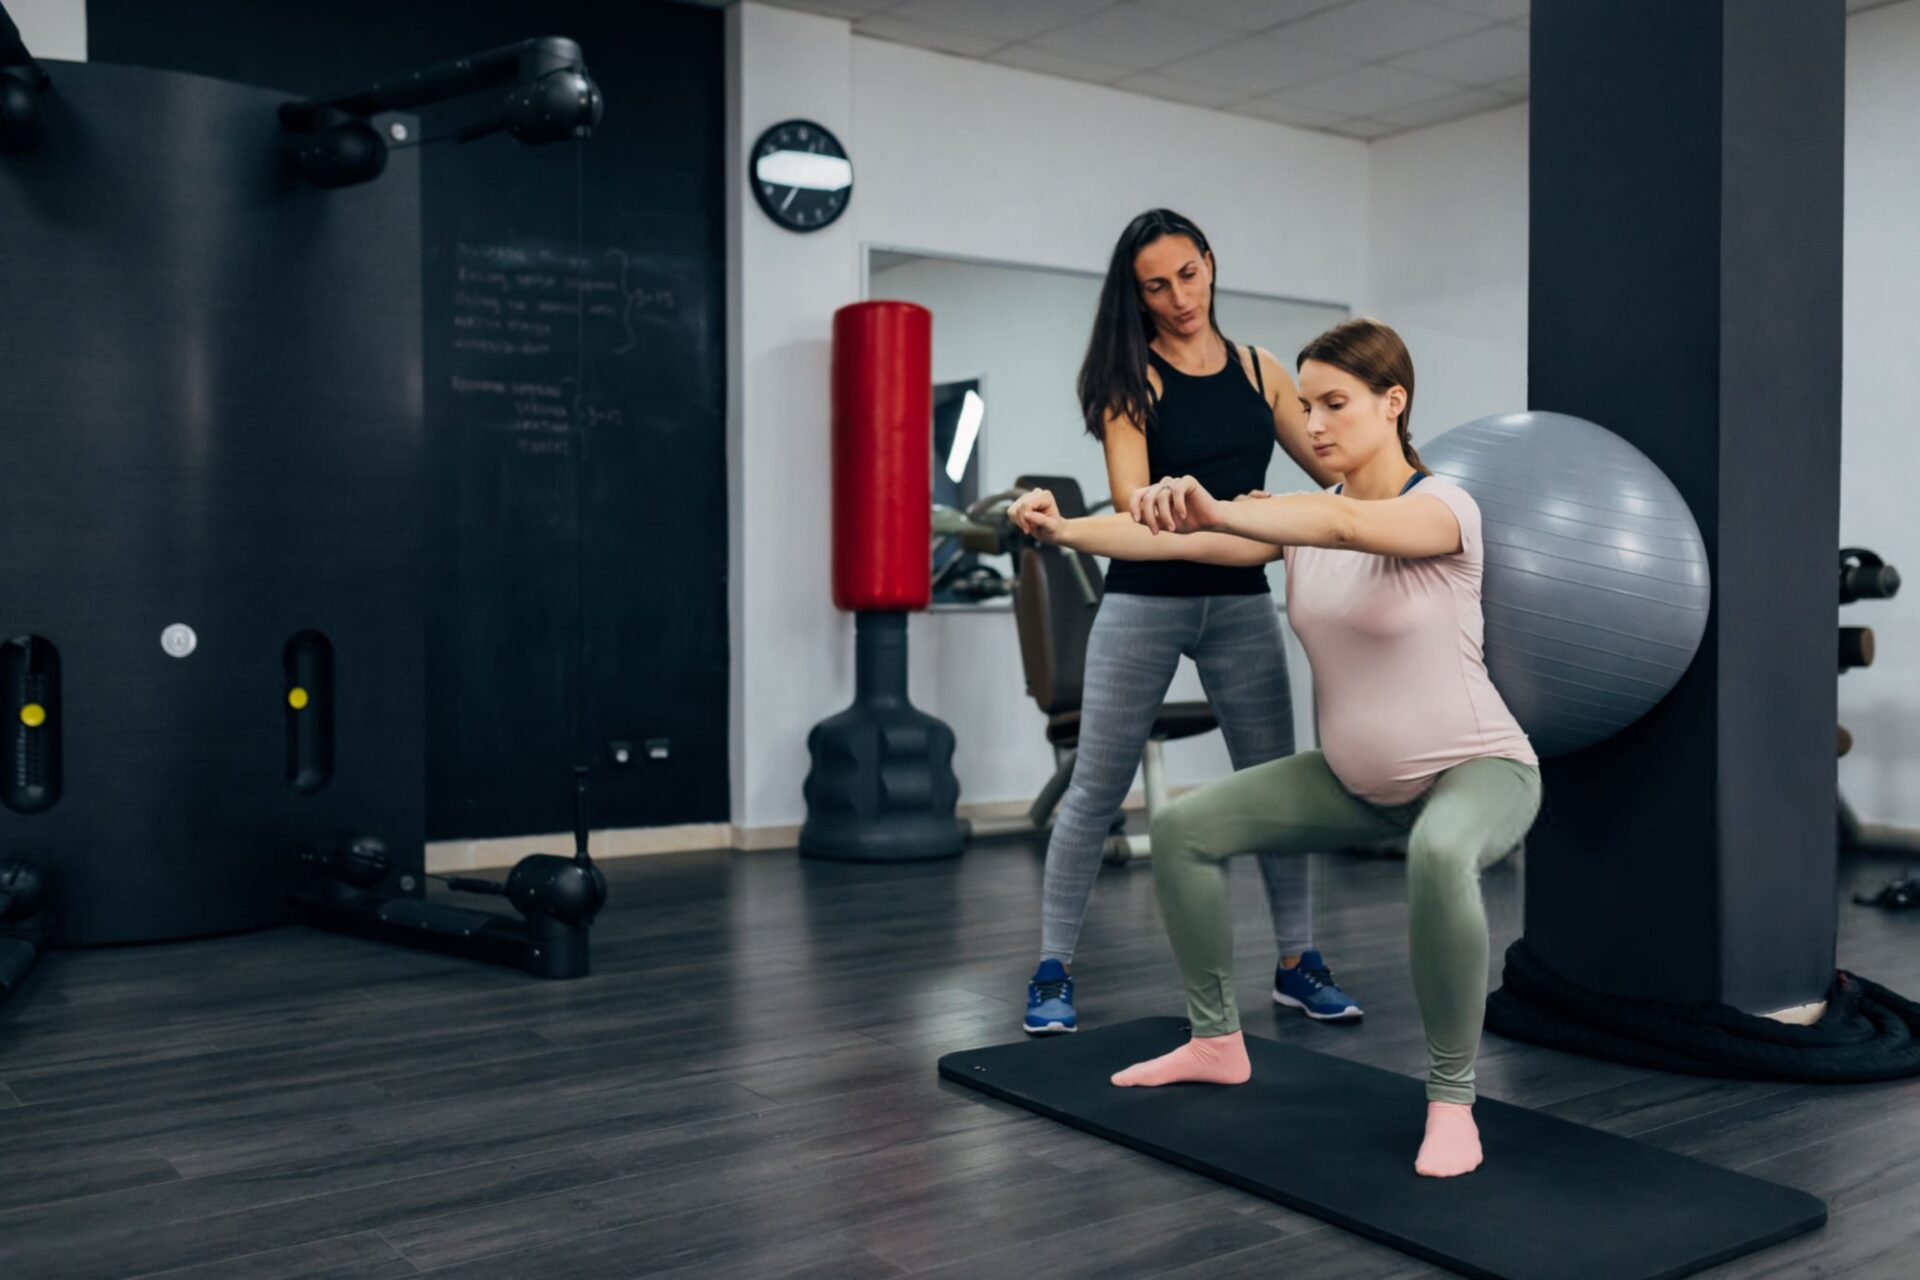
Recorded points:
(1005,20)
(1374,29)
(1368,91)
(1158,86)
(1448,107)
(1498,53)
(887,27)
(1256,64)
(1243,15)
(1047,62)
(1136,37)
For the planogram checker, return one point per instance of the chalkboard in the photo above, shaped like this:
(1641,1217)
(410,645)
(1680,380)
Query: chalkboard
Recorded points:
(520,318)
(573,383)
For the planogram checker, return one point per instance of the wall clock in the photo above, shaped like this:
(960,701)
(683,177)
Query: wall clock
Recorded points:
(800,174)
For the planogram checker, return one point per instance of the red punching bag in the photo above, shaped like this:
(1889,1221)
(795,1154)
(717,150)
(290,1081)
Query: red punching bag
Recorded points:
(882,787)
(882,456)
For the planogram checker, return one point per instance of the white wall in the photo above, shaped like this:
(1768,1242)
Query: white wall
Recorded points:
(1447,263)
(52,28)
(1880,446)
(792,652)
(963,158)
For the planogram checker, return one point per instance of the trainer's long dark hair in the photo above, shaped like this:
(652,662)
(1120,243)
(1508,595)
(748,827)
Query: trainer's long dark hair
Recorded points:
(1113,378)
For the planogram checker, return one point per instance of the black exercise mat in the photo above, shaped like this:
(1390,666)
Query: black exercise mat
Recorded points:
(1336,1139)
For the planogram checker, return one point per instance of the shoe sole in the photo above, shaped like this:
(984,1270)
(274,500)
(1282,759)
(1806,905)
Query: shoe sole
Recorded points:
(1051,1029)
(1351,1013)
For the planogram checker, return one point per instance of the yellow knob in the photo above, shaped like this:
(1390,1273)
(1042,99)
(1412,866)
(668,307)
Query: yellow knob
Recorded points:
(297,698)
(33,715)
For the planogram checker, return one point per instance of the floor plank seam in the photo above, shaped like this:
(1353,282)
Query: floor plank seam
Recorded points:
(252,1253)
(518,1153)
(397,1250)
(899,1267)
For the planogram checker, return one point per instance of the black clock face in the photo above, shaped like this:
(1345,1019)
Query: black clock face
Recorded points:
(801,175)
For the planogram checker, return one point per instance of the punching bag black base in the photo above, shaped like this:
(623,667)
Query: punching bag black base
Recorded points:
(882,787)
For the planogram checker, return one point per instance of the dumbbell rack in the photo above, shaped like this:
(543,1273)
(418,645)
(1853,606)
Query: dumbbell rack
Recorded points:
(1865,576)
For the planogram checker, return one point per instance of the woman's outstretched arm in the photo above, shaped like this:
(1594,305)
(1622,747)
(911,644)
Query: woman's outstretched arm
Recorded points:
(1412,526)
(1121,537)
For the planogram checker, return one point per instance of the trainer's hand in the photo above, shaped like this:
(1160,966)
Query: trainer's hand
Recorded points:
(1036,514)
(1178,504)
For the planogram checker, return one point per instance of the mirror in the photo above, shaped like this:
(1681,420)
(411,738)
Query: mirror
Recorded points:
(1007,346)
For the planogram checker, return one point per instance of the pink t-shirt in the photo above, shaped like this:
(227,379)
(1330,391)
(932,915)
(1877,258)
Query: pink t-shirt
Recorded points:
(1399,678)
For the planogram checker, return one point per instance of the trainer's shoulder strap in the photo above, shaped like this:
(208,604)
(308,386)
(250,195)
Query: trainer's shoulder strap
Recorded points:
(1259,374)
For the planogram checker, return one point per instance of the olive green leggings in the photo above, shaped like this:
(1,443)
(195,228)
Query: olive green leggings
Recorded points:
(1473,816)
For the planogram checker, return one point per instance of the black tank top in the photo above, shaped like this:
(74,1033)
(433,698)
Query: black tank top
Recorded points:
(1219,430)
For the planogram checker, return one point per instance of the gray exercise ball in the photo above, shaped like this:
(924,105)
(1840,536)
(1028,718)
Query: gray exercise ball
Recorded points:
(1597,587)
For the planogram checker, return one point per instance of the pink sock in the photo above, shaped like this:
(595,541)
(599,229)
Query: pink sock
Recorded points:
(1213,1060)
(1452,1146)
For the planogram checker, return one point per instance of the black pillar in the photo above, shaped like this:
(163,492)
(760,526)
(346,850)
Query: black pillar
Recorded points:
(1685,293)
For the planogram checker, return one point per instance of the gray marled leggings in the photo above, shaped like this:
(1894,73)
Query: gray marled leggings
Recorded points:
(1137,641)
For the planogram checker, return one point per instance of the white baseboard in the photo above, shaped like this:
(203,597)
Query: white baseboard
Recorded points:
(989,818)
(622,842)
(761,839)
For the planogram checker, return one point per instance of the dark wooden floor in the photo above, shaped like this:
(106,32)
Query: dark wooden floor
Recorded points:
(746,1087)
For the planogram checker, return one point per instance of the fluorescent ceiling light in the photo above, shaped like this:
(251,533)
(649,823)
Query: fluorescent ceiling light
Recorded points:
(972,410)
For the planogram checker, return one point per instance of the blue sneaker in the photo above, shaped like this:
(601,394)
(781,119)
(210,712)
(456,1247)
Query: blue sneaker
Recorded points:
(1310,988)
(1050,1001)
